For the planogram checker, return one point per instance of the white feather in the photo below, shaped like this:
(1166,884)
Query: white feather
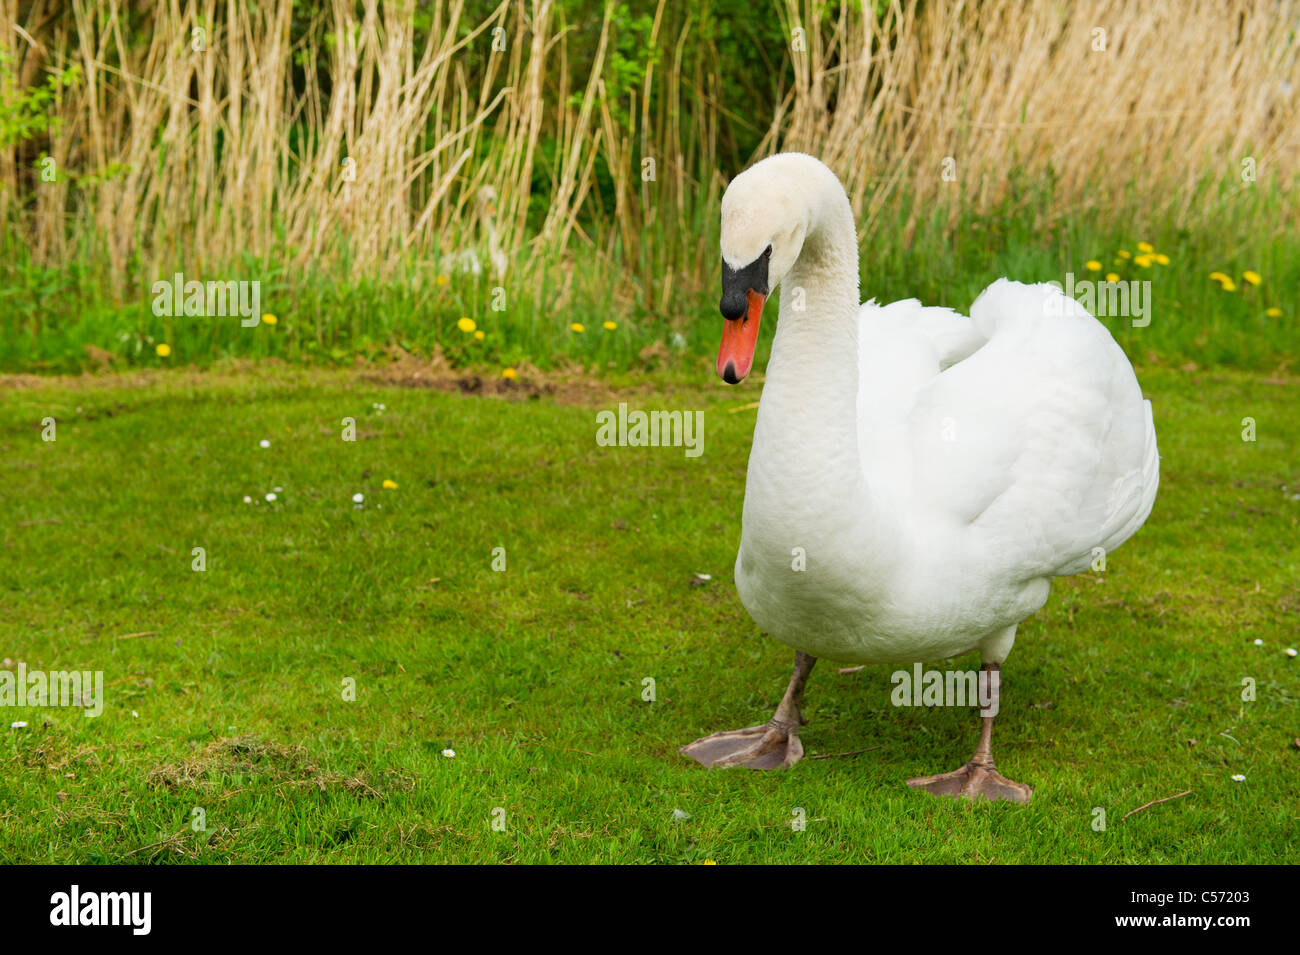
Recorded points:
(935,471)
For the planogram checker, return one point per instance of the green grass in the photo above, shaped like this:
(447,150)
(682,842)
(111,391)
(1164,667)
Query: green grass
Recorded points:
(334,317)
(224,686)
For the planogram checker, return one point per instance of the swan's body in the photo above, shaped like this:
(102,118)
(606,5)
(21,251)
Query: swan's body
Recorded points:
(972,486)
(917,477)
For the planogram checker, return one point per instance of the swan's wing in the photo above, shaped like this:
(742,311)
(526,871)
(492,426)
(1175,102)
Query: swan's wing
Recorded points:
(1039,442)
(903,345)
(953,336)
(901,348)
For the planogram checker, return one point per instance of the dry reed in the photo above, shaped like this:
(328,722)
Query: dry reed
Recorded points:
(360,142)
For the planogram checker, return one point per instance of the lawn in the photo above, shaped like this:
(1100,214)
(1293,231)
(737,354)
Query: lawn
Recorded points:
(225,688)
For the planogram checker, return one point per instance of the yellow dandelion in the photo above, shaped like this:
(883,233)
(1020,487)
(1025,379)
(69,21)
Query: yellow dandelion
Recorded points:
(509,373)
(1112,277)
(1274,312)
(610,326)
(1219,277)
(269,319)
(577,327)
(163,350)
(1143,260)
(1092,265)
(1253,278)
(390,485)
(1228,285)
(466,325)
(1124,254)
(479,336)
(1161,258)
(442,280)
(1146,247)
(710,862)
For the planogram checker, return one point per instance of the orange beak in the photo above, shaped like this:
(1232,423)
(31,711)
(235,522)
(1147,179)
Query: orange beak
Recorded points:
(739,336)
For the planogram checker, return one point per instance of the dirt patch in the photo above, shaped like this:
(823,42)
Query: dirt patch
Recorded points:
(397,368)
(567,385)
(265,761)
(21,382)
(231,372)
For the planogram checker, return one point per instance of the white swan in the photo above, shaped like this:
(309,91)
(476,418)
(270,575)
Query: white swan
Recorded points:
(917,478)
(467,260)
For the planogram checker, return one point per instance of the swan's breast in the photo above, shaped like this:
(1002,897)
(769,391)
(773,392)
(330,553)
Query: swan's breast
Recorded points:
(834,601)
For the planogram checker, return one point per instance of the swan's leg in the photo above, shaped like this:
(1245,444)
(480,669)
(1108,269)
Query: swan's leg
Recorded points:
(978,779)
(773,745)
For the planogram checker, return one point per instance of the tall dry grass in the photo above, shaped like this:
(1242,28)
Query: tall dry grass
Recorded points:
(201,148)
(1129,108)
(244,148)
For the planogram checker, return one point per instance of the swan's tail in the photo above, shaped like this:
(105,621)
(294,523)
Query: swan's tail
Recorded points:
(1149,481)
(1075,359)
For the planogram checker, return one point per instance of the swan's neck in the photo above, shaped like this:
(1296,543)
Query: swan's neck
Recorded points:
(806,437)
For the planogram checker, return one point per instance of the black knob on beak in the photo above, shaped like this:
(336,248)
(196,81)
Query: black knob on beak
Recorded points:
(734,303)
(736,283)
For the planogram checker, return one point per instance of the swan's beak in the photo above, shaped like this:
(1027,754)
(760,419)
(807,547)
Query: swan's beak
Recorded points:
(739,336)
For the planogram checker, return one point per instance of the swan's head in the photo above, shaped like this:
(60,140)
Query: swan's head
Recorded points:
(487,200)
(767,213)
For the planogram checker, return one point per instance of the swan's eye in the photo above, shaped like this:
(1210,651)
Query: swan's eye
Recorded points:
(767,253)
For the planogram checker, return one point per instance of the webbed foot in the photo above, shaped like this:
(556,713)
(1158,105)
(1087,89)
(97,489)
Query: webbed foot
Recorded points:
(974,781)
(770,746)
